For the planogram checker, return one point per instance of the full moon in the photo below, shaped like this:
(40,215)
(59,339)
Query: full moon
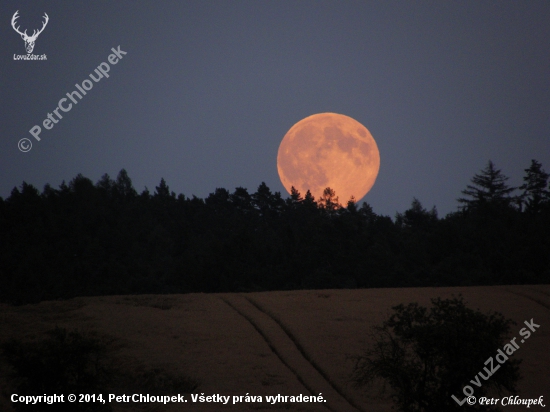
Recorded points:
(329,150)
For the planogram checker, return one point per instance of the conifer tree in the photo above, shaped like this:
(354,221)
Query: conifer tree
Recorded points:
(535,189)
(329,200)
(489,189)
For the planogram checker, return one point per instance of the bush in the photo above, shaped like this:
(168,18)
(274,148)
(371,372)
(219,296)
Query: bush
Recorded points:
(69,362)
(64,363)
(426,356)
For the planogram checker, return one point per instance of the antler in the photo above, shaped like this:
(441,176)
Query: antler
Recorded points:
(36,33)
(15,17)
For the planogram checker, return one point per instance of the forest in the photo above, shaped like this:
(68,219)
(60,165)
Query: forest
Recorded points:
(86,239)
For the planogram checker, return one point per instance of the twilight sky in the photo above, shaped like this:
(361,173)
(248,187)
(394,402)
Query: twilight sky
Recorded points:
(208,89)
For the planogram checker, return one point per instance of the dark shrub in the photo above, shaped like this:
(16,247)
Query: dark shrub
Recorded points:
(428,355)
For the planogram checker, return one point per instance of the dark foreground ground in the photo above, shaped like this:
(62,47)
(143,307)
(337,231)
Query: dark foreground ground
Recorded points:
(260,344)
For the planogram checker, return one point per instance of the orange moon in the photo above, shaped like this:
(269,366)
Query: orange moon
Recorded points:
(329,150)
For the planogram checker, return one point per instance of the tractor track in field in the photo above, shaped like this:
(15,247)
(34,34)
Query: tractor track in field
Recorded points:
(289,351)
(544,303)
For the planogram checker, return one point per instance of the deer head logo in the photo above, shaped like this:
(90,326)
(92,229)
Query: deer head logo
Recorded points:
(29,40)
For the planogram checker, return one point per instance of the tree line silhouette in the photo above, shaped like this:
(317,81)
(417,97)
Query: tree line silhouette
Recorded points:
(86,239)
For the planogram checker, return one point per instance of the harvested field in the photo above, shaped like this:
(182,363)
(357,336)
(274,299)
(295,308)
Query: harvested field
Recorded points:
(288,342)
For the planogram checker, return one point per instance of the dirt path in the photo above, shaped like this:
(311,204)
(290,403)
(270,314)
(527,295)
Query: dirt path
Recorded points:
(538,295)
(290,353)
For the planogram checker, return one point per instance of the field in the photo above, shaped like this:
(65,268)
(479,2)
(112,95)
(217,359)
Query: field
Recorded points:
(288,343)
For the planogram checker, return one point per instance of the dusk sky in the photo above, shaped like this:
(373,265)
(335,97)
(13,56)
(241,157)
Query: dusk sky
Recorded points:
(208,89)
